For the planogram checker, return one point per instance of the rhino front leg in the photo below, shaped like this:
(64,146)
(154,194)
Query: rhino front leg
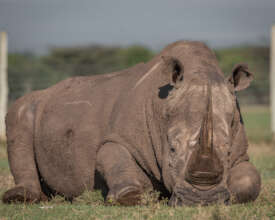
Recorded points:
(125,180)
(244,182)
(21,156)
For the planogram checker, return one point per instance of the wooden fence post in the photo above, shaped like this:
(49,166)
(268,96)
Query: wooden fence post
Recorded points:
(3,83)
(272,81)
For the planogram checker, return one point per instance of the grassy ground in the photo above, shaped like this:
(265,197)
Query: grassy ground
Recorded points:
(90,205)
(257,123)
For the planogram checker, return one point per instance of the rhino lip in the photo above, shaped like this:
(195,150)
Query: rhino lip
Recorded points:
(204,172)
(188,196)
(203,180)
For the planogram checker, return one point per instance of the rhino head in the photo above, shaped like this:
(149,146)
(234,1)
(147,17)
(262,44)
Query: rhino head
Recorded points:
(205,134)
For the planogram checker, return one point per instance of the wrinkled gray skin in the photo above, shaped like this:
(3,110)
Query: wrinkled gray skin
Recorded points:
(172,124)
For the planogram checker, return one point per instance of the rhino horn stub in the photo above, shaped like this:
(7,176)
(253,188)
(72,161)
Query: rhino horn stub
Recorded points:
(206,138)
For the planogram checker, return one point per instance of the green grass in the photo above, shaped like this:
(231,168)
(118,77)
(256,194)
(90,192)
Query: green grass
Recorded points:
(257,123)
(90,205)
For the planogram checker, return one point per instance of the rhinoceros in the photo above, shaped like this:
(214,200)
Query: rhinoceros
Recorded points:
(172,124)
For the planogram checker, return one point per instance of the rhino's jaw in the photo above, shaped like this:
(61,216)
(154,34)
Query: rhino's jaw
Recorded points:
(192,196)
(204,171)
(202,184)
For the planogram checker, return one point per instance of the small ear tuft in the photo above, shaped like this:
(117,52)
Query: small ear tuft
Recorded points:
(173,68)
(241,77)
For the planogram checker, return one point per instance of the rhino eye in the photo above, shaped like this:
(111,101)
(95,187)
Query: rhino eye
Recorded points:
(172,149)
(174,145)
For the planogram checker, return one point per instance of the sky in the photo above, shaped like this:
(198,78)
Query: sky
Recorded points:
(37,25)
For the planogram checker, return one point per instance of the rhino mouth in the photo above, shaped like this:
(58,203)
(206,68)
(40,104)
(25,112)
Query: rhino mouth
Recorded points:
(204,180)
(204,171)
(189,196)
(202,183)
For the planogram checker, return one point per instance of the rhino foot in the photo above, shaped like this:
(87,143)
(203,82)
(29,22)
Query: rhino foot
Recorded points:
(244,183)
(127,196)
(21,194)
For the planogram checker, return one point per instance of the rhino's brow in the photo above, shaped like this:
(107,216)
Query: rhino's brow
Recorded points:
(146,75)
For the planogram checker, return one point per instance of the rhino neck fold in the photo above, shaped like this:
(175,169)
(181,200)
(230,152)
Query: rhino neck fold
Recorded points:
(204,167)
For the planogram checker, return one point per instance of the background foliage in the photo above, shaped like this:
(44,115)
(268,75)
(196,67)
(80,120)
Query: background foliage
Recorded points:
(28,72)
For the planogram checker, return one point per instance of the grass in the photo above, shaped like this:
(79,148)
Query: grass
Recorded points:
(257,123)
(90,205)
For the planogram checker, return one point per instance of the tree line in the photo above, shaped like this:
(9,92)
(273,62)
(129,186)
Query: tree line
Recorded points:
(27,72)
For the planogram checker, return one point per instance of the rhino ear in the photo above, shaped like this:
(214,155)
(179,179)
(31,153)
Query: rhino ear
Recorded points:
(172,68)
(241,77)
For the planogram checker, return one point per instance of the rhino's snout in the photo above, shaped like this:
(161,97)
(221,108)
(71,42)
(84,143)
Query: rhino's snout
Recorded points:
(204,169)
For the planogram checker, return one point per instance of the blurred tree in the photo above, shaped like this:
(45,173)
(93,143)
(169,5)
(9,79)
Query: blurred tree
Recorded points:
(27,72)
(135,54)
(91,60)
(83,61)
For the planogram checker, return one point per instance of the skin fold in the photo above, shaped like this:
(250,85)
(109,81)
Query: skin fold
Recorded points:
(172,124)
